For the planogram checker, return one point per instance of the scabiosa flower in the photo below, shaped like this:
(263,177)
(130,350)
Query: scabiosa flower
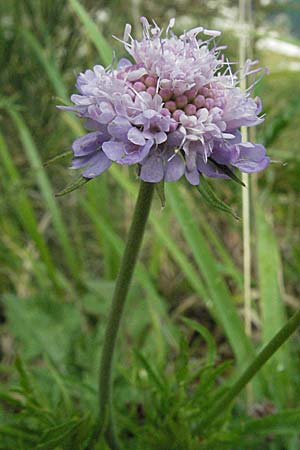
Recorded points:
(175,110)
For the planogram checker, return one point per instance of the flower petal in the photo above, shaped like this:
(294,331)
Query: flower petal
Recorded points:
(82,161)
(225,153)
(152,169)
(119,128)
(174,168)
(100,164)
(114,150)
(175,139)
(159,137)
(124,62)
(136,136)
(251,158)
(134,155)
(192,176)
(88,143)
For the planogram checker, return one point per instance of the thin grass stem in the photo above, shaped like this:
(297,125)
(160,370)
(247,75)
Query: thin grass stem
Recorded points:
(244,13)
(263,356)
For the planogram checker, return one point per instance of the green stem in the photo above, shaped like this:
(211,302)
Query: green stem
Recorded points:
(263,356)
(105,423)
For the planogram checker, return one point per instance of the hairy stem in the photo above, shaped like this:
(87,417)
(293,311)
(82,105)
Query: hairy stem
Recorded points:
(263,356)
(105,423)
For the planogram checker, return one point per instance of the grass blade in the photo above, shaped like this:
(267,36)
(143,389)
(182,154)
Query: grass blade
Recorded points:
(286,421)
(228,265)
(206,335)
(54,77)
(46,191)
(225,309)
(24,209)
(273,314)
(93,32)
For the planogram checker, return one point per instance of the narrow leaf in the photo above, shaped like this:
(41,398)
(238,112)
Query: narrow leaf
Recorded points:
(273,313)
(285,421)
(211,198)
(46,190)
(227,171)
(156,379)
(160,189)
(57,158)
(206,335)
(73,186)
(24,208)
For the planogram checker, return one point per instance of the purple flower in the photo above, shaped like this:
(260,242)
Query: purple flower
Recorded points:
(175,110)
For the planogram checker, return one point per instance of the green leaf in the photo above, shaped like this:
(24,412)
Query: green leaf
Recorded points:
(286,421)
(57,158)
(73,186)
(281,370)
(60,381)
(211,198)
(16,432)
(43,327)
(228,265)
(206,335)
(153,375)
(227,171)
(11,399)
(160,189)
(25,380)
(59,434)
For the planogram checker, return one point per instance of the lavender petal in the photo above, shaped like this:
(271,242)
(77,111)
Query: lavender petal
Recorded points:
(174,168)
(114,150)
(88,143)
(152,169)
(192,176)
(99,165)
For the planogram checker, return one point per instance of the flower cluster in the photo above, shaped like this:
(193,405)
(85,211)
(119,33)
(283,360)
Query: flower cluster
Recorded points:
(175,110)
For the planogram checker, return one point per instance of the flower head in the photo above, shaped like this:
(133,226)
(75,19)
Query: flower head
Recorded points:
(175,110)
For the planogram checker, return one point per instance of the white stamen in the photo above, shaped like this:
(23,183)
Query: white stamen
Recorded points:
(171,25)
(127,32)
(126,44)
(213,33)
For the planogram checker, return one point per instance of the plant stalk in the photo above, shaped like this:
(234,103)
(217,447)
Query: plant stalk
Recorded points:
(244,52)
(105,423)
(263,356)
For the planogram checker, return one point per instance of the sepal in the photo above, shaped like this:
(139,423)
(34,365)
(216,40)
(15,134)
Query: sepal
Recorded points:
(227,171)
(211,198)
(160,189)
(73,186)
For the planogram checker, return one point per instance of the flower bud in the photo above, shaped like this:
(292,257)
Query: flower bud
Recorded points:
(171,106)
(199,101)
(190,109)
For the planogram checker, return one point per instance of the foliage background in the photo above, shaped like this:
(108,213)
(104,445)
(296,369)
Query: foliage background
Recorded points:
(59,257)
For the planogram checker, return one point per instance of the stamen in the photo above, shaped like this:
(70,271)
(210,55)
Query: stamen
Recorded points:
(171,25)
(127,32)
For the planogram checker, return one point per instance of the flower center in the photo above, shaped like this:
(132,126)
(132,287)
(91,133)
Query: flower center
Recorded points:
(191,102)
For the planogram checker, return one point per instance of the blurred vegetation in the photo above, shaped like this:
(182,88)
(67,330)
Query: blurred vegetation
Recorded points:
(59,257)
